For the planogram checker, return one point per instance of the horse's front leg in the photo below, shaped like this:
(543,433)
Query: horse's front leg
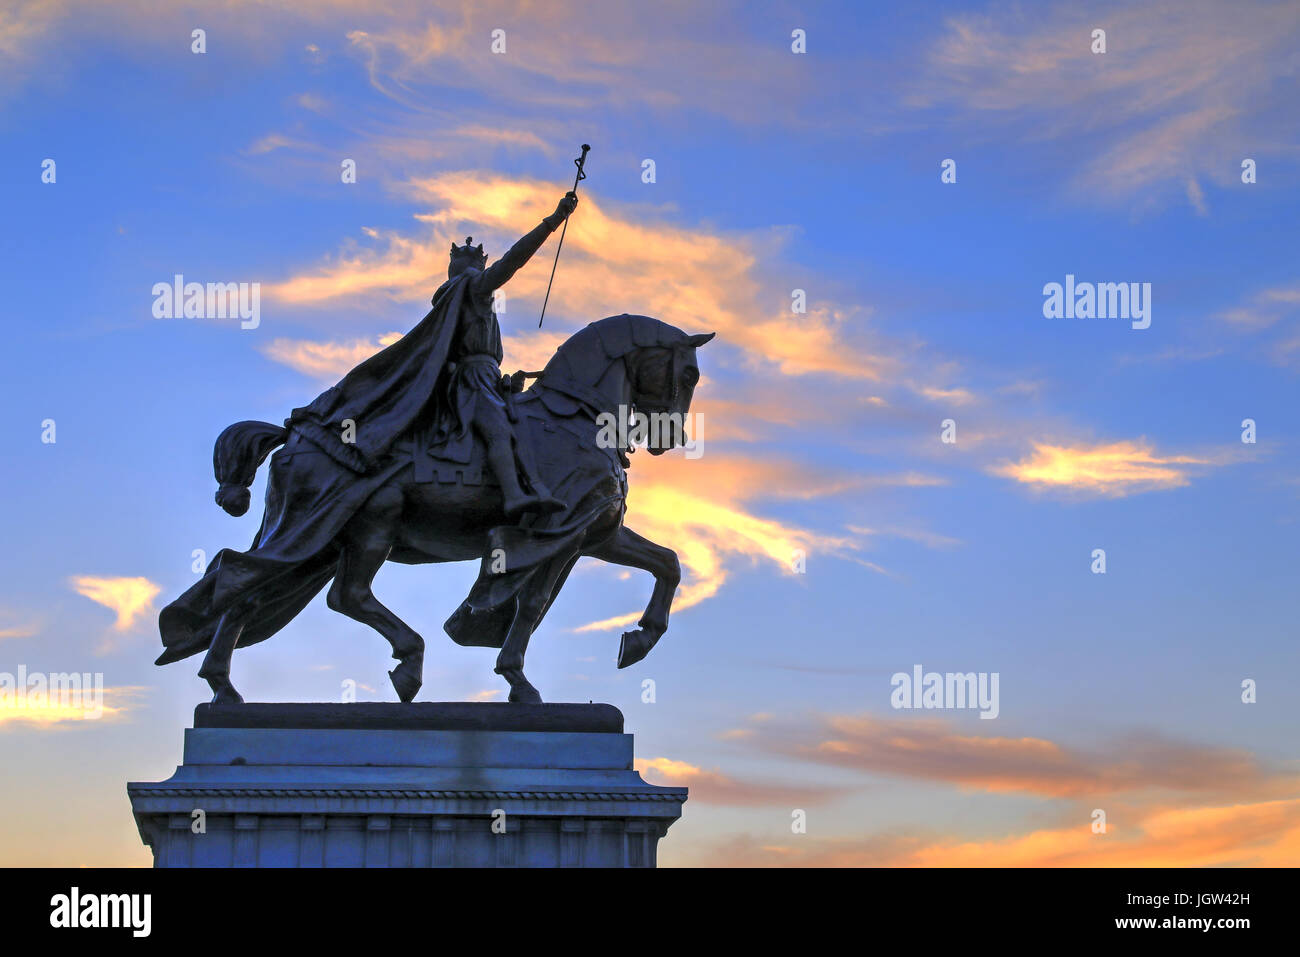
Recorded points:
(534,600)
(631,550)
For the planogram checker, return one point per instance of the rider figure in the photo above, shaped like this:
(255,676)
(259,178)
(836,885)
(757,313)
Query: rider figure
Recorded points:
(474,394)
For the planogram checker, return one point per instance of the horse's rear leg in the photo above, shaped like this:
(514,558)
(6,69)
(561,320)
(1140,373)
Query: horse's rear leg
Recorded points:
(366,541)
(216,665)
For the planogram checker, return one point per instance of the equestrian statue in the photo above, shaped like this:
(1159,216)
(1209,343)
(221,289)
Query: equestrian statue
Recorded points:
(425,452)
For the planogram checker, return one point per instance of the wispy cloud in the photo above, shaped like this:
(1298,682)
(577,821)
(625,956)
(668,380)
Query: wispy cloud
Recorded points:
(1167,802)
(921,536)
(696,279)
(1182,83)
(715,787)
(1270,319)
(1259,834)
(43,709)
(1114,470)
(325,360)
(706,509)
(936,750)
(128,598)
(25,629)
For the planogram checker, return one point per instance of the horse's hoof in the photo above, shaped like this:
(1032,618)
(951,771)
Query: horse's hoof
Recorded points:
(407,678)
(521,690)
(224,691)
(634,646)
(529,695)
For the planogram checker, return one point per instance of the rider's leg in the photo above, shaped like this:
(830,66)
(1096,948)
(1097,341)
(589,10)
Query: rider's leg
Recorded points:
(493,428)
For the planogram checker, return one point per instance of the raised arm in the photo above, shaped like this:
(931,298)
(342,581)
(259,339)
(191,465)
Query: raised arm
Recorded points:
(499,273)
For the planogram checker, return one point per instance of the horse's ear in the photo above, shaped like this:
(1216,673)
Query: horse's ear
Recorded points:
(453,247)
(696,341)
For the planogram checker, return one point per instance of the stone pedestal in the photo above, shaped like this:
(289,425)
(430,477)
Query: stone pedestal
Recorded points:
(405,785)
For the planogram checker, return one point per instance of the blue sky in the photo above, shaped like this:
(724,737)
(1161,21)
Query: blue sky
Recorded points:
(775,171)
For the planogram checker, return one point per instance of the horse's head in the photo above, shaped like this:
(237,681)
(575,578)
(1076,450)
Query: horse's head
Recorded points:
(663,382)
(635,361)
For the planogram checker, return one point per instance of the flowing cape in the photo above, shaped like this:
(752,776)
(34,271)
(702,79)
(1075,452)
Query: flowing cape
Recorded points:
(383,396)
(295,554)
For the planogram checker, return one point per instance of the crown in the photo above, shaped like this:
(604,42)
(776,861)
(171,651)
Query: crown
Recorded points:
(468,250)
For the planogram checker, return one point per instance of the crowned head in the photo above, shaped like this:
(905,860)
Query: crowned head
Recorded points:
(465,257)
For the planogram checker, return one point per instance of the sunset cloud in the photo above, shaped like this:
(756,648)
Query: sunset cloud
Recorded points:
(325,360)
(1114,470)
(1261,834)
(714,787)
(128,598)
(43,707)
(1168,803)
(703,507)
(698,280)
(936,750)
(1178,84)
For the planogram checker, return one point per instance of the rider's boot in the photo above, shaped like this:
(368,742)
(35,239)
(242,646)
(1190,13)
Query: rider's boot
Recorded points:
(517,502)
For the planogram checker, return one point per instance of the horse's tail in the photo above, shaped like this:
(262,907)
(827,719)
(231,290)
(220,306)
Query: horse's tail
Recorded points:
(235,459)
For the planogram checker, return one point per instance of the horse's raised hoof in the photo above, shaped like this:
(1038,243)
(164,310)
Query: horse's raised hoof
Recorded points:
(634,646)
(223,691)
(408,676)
(521,690)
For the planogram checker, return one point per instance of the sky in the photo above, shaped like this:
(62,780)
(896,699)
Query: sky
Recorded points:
(916,469)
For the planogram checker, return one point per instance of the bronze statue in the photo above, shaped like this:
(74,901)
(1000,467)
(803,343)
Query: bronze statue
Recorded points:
(425,453)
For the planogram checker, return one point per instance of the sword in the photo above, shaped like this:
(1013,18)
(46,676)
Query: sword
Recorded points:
(580,162)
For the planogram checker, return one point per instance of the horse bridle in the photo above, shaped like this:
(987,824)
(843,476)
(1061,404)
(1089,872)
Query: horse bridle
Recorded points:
(657,403)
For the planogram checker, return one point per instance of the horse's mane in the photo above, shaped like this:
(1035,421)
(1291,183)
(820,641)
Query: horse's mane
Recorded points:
(610,338)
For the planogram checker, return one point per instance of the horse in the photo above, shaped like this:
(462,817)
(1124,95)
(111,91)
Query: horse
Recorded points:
(414,508)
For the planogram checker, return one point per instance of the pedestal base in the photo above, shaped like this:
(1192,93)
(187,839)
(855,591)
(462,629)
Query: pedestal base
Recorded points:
(380,785)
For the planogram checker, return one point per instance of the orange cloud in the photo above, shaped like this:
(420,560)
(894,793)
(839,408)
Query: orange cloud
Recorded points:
(128,598)
(933,750)
(46,707)
(694,279)
(714,787)
(698,508)
(1115,470)
(1240,811)
(1263,834)
(325,360)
